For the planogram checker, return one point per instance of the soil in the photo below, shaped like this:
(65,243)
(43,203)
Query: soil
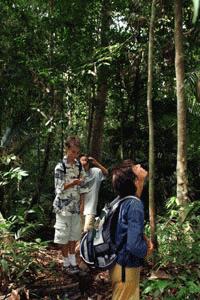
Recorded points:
(53,283)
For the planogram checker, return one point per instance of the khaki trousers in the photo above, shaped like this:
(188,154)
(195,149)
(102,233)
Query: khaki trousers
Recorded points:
(128,290)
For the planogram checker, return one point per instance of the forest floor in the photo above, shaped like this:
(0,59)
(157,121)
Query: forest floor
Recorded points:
(55,284)
(52,283)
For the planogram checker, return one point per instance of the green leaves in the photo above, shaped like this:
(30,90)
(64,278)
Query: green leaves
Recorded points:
(157,287)
(178,255)
(17,259)
(14,173)
(4,265)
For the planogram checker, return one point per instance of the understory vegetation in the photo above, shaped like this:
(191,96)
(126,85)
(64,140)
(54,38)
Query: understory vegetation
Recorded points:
(81,68)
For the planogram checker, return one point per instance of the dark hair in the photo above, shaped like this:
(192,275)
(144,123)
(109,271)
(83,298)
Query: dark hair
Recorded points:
(123,179)
(83,154)
(88,160)
(72,141)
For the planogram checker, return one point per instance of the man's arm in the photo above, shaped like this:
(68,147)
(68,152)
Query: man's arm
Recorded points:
(60,183)
(72,183)
(100,166)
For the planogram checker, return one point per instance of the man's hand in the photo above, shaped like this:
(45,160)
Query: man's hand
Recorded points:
(77,181)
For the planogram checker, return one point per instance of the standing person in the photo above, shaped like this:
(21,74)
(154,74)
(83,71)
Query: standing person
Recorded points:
(68,178)
(128,180)
(95,174)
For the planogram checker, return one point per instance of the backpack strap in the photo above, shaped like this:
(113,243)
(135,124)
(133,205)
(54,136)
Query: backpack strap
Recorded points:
(118,199)
(63,165)
(123,269)
(79,169)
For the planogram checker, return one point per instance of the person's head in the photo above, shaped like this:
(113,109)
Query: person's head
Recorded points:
(72,147)
(123,179)
(85,161)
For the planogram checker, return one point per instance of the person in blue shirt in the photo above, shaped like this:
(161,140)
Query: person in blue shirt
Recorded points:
(128,181)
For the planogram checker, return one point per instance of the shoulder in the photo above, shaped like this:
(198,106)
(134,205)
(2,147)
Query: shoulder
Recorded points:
(59,166)
(132,210)
(133,203)
(95,170)
(99,172)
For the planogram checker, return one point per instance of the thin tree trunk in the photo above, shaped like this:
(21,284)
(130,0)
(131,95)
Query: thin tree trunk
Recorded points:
(102,89)
(133,96)
(98,121)
(122,118)
(90,116)
(136,96)
(182,182)
(151,125)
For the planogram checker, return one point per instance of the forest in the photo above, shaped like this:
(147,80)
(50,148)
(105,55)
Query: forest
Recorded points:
(123,76)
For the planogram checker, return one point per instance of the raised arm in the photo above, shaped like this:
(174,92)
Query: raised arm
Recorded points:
(100,166)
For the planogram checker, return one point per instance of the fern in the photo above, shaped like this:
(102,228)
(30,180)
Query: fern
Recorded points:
(191,81)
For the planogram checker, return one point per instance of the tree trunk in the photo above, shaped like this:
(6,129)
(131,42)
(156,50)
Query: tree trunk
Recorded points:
(102,89)
(135,96)
(182,182)
(123,115)
(90,116)
(151,124)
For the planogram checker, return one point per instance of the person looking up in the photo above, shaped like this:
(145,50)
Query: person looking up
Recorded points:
(128,180)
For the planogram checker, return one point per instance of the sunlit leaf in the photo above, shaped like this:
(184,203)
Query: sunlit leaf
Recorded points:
(196,10)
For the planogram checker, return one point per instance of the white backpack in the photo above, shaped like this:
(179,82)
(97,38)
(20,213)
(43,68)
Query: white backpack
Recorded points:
(97,246)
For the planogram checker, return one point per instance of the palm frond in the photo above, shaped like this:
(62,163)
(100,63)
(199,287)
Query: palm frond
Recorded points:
(192,80)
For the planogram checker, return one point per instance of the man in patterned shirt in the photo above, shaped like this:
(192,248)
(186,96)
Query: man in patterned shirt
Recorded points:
(68,180)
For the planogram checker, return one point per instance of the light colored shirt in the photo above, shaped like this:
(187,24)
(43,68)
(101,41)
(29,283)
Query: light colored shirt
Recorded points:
(67,201)
(92,182)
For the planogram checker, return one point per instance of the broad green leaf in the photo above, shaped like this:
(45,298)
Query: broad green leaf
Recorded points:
(148,289)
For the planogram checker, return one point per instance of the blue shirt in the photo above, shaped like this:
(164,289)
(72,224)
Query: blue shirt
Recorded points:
(130,229)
